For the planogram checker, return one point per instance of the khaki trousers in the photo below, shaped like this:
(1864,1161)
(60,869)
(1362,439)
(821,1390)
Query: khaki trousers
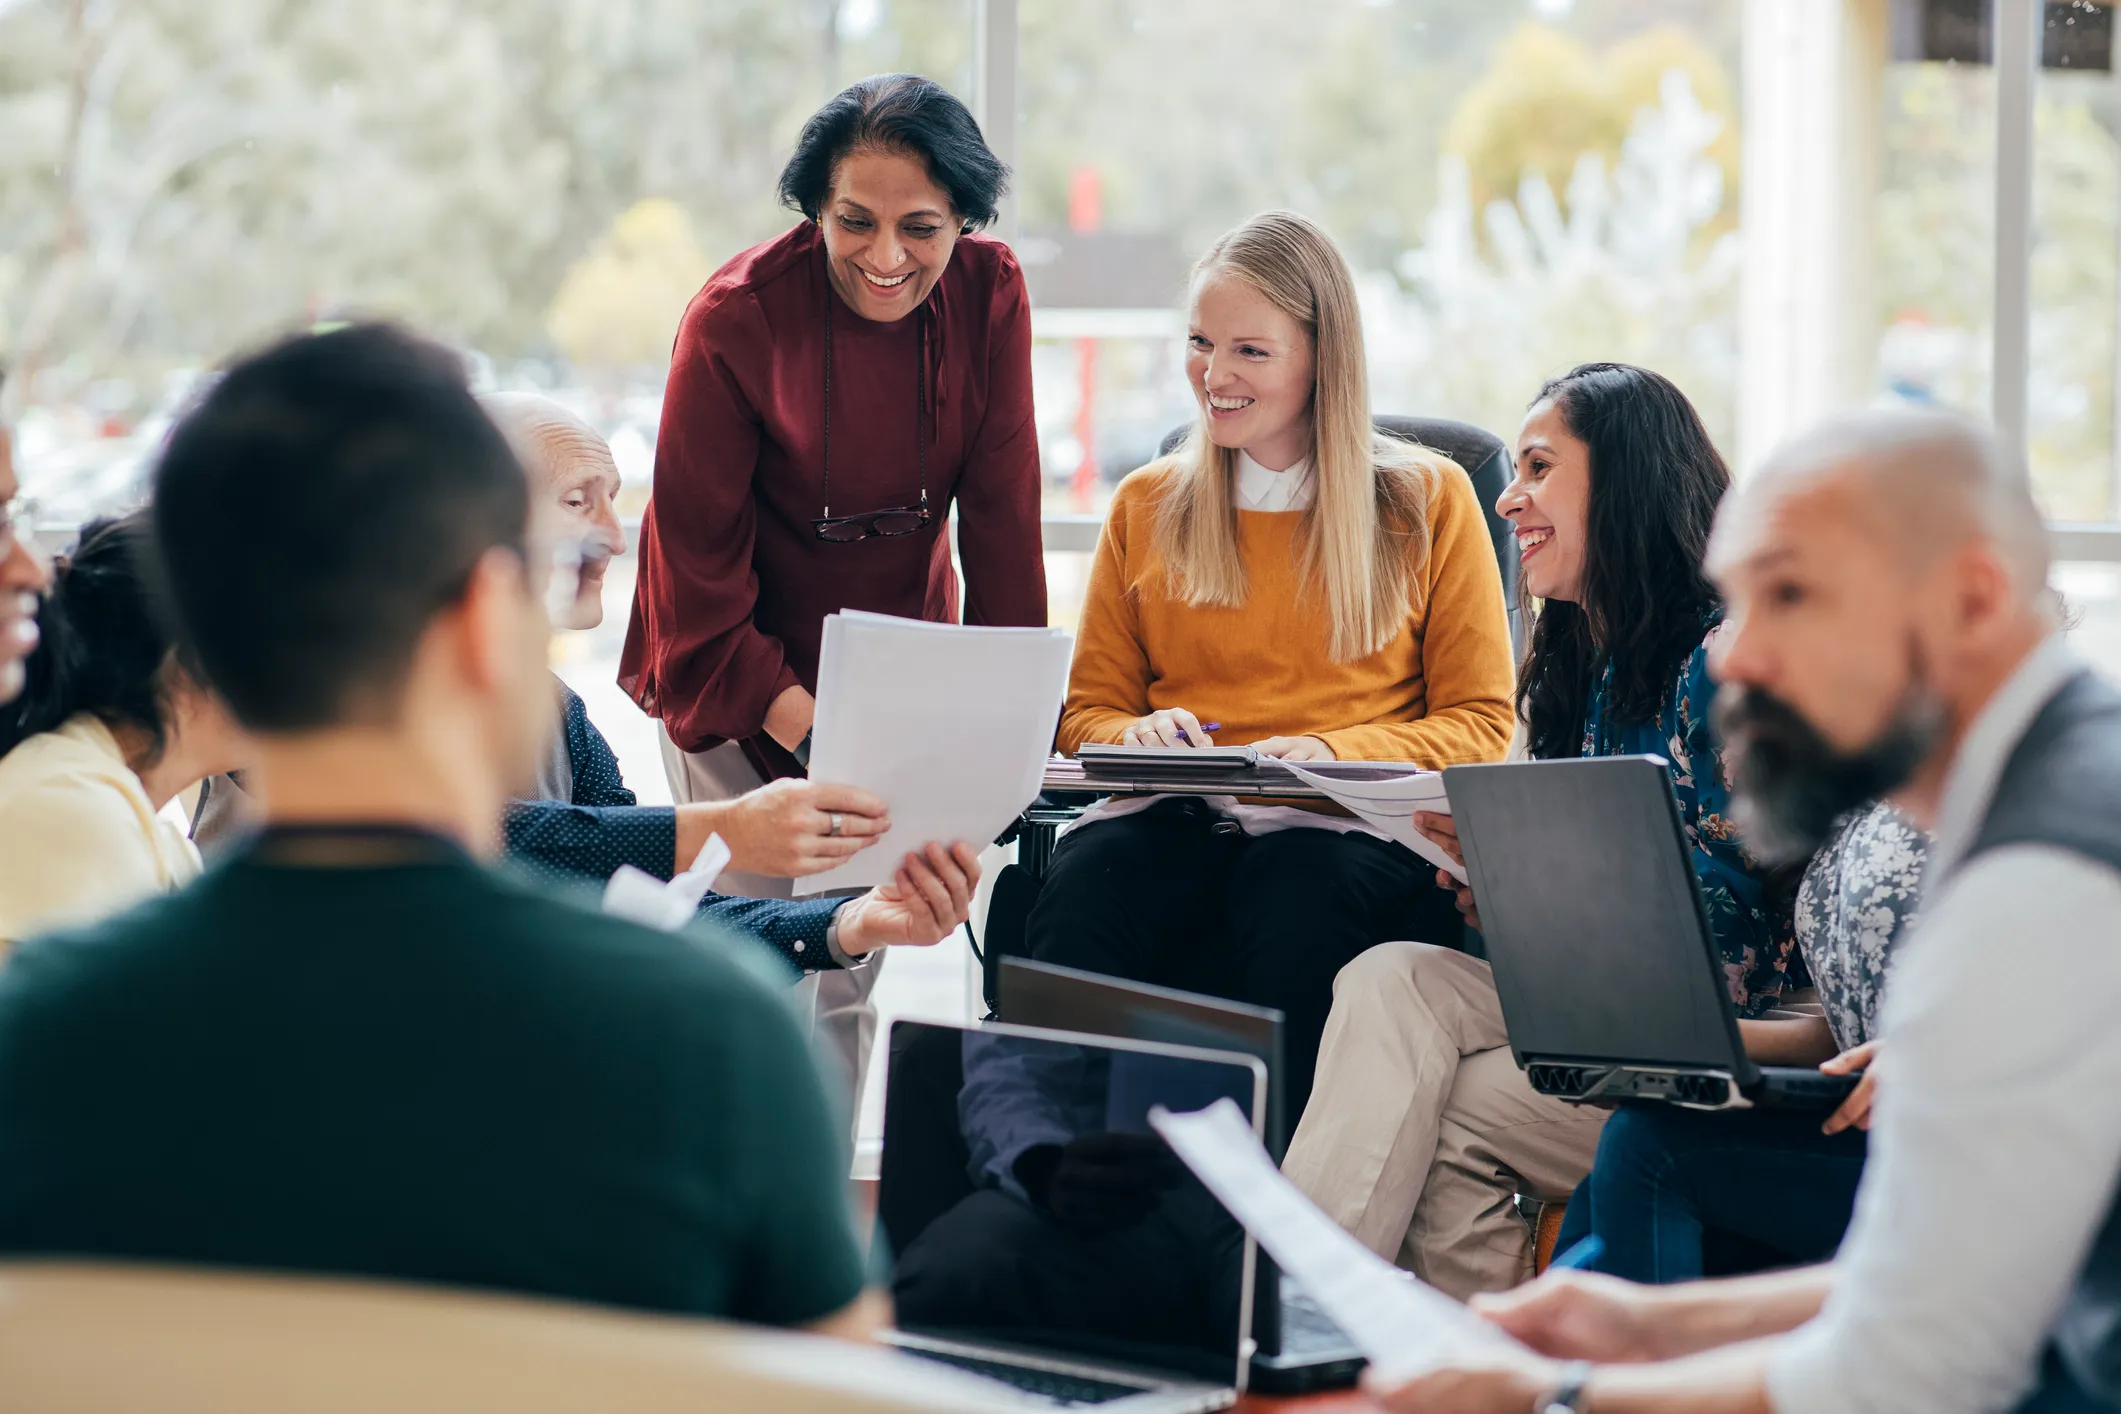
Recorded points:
(1421,1129)
(842,1018)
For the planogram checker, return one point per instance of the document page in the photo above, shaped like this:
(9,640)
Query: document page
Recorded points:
(1390,806)
(951,725)
(1404,1326)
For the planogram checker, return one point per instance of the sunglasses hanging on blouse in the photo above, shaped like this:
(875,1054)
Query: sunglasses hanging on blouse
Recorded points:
(896,520)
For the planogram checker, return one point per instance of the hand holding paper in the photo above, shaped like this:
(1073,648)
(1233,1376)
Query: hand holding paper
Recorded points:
(1390,805)
(1406,1328)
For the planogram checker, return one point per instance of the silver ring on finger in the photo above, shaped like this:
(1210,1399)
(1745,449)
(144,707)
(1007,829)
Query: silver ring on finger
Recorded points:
(834,832)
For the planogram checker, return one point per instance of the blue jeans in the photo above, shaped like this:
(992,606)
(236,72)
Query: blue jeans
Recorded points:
(1763,1184)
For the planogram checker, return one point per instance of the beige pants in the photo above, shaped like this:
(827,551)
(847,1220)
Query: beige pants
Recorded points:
(1421,1129)
(842,1019)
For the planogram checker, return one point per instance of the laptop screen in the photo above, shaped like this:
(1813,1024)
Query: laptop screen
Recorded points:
(1066,999)
(1026,1203)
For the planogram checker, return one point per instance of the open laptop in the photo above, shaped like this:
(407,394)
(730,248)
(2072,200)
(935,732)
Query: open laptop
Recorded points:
(1298,1349)
(1611,983)
(1041,1233)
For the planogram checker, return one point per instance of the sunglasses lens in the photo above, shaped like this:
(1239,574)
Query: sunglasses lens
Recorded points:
(842,531)
(898,523)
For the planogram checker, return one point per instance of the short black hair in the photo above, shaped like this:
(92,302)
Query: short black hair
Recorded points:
(900,113)
(103,644)
(315,512)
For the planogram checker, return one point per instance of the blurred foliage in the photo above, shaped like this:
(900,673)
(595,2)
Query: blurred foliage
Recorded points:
(1548,98)
(618,306)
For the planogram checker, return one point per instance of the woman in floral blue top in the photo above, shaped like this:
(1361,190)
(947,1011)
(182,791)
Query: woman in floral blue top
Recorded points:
(1421,1127)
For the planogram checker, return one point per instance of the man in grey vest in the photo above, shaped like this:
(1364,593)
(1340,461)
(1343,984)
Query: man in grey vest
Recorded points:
(1890,631)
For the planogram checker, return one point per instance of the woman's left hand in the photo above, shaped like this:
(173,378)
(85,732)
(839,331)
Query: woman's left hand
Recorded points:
(1295,748)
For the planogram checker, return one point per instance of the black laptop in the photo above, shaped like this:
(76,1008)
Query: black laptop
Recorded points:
(1298,1349)
(1611,983)
(1041,1233)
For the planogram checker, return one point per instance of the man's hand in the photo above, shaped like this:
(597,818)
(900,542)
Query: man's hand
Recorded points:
(1503,1382)
(1855,1111)
(927,901)
(1572,1315)
(1442,831)
(1174,726)
(1295,748)
(786,829)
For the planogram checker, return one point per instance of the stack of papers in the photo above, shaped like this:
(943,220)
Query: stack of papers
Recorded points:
(1405,1327)
(949,724)
(1390,806)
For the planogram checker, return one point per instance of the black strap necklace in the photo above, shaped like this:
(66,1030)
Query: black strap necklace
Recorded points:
(903,520)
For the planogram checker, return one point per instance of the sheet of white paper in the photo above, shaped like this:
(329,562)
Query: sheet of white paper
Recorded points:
(1402,1325)
(642,898)
(1391,806)
(949,724)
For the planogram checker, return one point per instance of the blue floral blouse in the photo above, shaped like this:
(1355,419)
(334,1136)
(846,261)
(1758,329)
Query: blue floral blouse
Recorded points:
(1756,937)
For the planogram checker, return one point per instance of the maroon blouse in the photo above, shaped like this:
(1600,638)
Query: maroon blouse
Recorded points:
(734,585)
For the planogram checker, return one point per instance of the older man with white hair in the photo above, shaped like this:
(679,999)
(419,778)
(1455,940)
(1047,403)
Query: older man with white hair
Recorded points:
(588,823)
(1890,630)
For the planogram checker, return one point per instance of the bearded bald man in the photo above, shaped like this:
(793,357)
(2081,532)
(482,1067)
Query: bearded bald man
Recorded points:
(1891,631)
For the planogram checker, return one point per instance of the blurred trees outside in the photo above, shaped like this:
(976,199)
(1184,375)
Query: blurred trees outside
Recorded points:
(546,180)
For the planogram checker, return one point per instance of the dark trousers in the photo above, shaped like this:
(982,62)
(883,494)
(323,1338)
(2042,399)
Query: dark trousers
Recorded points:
(1178,897)
(1677,1193)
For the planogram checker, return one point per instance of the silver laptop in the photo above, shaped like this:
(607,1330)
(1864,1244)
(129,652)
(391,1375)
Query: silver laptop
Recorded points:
(1040,1233)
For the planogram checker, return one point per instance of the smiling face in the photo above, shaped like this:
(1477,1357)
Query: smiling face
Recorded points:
(1253,371)
(583,483)
(1549,504)
(889,231)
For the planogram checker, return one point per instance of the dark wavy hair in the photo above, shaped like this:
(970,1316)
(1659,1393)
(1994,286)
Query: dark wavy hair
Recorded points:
(103,644)
(898,113)
(1656,480)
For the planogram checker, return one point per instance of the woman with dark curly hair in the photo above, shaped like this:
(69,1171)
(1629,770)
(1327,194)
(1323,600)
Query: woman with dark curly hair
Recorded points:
(110,726)
(1421,1127)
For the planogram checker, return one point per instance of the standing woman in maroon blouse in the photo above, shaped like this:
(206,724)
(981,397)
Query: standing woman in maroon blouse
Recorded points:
(832,393)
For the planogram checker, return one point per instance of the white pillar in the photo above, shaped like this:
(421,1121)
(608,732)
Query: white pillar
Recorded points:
(1814,95)
(994,60)
(2017,49)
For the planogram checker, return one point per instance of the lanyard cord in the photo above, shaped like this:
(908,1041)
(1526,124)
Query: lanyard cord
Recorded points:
(920,414)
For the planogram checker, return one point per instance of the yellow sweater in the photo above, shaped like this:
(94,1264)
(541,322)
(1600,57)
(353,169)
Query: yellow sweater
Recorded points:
(1438,694)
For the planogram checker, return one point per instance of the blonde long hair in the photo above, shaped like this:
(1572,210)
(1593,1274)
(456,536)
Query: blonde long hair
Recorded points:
(1367,530)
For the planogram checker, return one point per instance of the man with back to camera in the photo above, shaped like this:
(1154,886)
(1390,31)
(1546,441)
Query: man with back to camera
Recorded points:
(351,1048)
(1890,630)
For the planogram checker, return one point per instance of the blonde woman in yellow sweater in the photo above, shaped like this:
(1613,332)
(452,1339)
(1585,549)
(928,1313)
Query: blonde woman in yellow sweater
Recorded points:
(1319,591)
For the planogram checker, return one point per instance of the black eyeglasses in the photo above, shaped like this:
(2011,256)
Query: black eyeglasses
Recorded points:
(896,520)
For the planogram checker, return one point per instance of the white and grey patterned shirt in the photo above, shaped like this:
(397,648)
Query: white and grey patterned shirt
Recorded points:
(1855,904)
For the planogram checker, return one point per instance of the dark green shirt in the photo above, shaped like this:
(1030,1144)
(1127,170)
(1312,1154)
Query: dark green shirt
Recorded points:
(424,1072)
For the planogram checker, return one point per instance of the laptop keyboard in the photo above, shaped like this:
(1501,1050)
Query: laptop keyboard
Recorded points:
(1066,1391)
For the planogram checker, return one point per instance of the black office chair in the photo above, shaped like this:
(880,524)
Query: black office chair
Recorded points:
(1486,459)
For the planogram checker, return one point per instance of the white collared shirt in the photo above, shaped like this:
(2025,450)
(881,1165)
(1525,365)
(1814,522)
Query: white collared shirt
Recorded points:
(1994,1139)
(1259,489)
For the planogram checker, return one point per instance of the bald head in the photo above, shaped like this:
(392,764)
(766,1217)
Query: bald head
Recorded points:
(1923,483)
(572,476)
(550,439)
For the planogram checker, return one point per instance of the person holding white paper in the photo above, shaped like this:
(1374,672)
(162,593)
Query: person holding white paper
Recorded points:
(1290,580)
(1421,1127)
(583,820)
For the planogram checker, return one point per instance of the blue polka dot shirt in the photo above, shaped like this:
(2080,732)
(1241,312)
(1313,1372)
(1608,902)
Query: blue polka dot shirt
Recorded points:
(600,827)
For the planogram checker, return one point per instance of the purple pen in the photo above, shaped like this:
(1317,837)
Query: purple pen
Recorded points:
(1204,726)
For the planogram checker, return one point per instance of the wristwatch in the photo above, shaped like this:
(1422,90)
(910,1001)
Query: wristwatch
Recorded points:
(1567,1397)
